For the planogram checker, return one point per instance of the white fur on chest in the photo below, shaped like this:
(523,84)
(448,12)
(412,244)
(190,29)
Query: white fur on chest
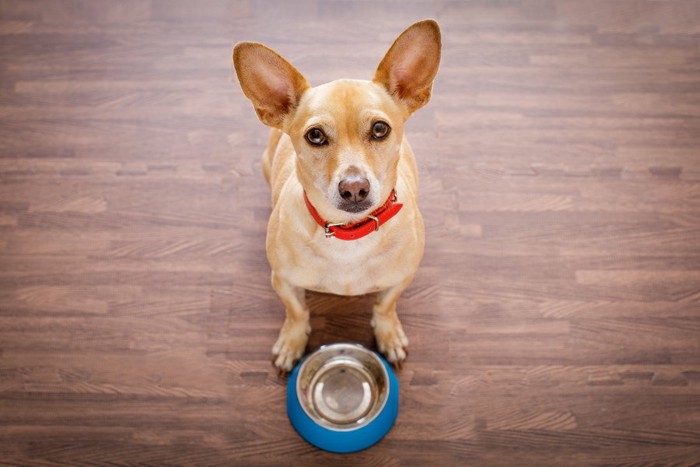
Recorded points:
(356,267)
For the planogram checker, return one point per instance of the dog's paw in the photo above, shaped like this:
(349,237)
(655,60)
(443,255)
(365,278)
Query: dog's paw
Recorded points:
(391,340)
(290,346)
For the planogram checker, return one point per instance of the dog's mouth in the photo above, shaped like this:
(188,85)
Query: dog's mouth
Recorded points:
(354,207)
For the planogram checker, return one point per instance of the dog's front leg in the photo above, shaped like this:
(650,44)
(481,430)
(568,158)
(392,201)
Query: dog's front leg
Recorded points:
(391,339)
(295,332)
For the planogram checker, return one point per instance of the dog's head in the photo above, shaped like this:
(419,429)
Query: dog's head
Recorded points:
(347,133)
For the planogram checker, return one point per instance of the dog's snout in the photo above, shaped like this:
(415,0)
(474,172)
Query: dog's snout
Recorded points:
(354,189)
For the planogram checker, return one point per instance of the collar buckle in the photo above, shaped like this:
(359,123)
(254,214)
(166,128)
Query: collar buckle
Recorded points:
(327,229)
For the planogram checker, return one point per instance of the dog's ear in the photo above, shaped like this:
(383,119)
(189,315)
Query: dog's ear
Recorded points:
(269,81)
(409,67)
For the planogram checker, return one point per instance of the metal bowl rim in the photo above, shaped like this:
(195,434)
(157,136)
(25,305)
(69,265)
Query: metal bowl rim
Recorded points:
(329,425)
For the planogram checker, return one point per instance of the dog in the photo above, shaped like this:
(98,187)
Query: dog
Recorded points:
(345,218)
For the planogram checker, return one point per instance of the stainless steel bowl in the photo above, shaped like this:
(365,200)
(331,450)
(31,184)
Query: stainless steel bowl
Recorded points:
(342,386)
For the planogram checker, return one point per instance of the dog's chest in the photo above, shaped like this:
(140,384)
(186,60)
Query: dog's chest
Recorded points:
(350,268)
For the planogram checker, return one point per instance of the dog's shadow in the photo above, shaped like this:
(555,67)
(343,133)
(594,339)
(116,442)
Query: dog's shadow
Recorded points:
(340,319)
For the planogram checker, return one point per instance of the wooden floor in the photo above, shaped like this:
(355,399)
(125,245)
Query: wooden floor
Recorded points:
(555,318)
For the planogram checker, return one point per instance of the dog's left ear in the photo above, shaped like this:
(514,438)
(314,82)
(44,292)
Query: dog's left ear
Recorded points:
(409,67)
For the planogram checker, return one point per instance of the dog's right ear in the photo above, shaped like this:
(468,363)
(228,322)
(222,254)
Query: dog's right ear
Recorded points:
(269,81)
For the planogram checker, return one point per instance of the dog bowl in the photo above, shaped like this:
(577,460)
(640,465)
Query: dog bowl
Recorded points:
(343,398)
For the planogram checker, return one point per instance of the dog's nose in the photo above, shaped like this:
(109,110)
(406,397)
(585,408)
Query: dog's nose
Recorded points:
(354,189)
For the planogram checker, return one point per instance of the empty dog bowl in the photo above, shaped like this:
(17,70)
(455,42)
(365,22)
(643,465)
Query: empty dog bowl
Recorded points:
(343,398)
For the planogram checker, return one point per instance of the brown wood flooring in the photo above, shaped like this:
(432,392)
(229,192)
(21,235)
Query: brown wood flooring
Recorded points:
(555,318)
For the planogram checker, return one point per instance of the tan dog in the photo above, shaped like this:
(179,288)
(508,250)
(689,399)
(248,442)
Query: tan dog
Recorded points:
(340,169)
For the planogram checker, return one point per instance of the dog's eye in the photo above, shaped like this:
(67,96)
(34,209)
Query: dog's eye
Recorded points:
(316,137)
(380,130)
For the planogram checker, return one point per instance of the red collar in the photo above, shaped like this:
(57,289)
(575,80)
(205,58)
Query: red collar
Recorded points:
(359,229)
